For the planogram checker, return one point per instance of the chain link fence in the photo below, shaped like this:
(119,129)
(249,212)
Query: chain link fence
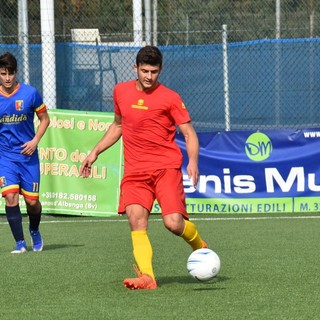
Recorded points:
(238,64)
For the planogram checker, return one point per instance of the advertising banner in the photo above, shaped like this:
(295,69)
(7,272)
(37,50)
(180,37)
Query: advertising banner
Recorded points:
(68,140)
(242,172)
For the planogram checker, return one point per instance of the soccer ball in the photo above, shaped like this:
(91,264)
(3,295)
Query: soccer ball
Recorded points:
(203,264)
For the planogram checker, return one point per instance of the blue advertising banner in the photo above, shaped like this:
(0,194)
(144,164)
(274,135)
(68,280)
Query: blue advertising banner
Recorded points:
(274,171)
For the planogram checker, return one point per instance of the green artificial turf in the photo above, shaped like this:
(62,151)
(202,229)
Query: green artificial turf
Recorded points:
(270,270)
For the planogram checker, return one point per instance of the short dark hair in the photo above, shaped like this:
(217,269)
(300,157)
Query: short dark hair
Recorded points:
(149,55)
(8,61)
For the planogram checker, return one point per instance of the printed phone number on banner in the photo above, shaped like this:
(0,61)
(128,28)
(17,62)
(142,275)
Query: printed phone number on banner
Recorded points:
(69,196)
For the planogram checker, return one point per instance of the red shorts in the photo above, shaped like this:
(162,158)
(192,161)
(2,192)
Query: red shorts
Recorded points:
(143,188)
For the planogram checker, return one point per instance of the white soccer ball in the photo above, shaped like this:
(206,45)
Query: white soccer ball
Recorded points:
(203,264)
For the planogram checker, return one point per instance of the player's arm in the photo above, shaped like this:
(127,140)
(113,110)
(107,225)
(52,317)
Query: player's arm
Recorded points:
(192,146)
(109,138)
(29,147)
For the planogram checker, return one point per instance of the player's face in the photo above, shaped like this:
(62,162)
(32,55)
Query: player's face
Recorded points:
(147,76)
(7,80)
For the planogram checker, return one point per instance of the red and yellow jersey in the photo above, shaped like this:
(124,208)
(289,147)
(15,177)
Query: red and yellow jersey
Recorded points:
(17,111)
(149,122)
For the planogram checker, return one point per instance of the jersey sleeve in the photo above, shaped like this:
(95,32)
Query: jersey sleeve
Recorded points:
(40,109)
(179,111)
(116,96)
(39,106)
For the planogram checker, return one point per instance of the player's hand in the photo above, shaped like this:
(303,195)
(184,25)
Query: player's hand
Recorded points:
(29,148)
(193,174)
(85,169)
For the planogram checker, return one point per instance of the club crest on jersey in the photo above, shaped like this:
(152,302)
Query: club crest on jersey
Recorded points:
(3,181)
(19,105)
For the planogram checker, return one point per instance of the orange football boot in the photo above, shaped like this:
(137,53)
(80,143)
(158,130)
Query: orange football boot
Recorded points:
(143,281)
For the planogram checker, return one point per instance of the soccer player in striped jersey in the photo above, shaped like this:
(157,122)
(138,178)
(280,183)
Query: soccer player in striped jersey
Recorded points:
(19,161)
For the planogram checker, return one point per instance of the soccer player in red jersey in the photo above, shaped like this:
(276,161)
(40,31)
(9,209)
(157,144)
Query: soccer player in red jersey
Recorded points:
(146,115)
(19,161)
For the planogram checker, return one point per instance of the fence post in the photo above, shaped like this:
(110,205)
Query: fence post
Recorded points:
(48,53)
(155,22)
(225,78)
(137,23)
(278,18)
(147,23)
(24,37)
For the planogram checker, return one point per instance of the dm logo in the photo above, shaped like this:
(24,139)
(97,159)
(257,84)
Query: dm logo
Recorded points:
(258,147)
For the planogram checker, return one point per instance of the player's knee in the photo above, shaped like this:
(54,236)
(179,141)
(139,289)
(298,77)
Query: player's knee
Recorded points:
(33,206)
(12,199)
(172,228)
(174,223)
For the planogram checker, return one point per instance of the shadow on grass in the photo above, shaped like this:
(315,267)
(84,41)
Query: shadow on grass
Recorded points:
(207,285)
(48,247)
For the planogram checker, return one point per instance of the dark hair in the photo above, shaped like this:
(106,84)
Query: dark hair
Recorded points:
(149,55)
(8,61)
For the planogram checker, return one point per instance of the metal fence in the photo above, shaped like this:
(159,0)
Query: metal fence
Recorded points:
(238,64)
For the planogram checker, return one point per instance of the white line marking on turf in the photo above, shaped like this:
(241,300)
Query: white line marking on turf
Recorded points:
(191,218)
(256,218)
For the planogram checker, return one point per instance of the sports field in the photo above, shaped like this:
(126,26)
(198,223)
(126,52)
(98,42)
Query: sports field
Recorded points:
(270,270)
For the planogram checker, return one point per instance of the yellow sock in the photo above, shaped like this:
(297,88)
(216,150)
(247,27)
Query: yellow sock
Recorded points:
(142,251)
(190,234)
